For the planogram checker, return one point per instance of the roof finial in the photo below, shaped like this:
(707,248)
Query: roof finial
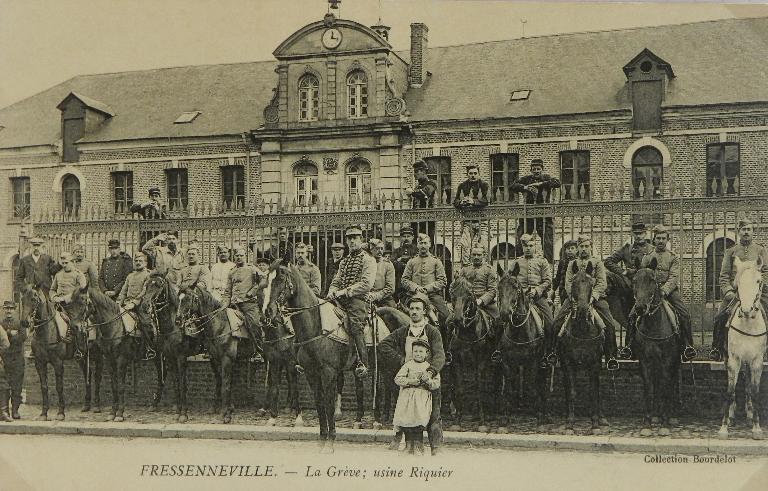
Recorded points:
(523,22)
(333,4)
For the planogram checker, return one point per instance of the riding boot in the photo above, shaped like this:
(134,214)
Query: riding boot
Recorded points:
(718,338)
(610,350)
(257,356)
(5,395)
(362,352)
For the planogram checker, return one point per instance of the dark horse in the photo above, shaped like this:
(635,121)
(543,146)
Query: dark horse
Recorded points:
(581,346)
(522,345)
(160,304)
(198,305)
(657,349)
(321,357)
(118,347)
(471,345)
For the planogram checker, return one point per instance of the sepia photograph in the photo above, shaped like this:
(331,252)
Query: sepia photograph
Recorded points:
(383,244)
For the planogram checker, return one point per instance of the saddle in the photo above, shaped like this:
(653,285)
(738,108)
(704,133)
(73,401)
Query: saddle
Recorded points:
(672,315)
(237,323)
(594,315)
(130,324)
(332,319)
(538,320)
(62,323)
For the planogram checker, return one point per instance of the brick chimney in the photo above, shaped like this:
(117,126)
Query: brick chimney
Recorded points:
(417,71)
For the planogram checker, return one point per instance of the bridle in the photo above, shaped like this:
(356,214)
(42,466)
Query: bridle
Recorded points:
(33,313)
(201,320)
(574,311)
(526,317)
(470,314)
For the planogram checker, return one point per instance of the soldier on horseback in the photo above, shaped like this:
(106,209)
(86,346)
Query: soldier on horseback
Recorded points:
(484,282)
(194,274)
(309,271)
(536,276)
(598,299)
(84,265)
(350,287)
(568,253)
(241,294)
(667,276)
(384,286)
(130,297)
(622,261)
(220,272)
(745,250)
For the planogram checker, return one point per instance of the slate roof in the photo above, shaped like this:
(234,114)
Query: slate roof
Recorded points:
(720,61)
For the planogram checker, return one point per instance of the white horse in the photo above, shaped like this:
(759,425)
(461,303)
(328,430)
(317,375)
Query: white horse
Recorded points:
(746,344)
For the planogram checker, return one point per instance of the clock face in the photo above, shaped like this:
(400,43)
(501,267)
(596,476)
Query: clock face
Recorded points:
(331,38)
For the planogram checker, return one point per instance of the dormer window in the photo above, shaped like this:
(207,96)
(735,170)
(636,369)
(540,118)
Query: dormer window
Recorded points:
(309,98)
(357,94)
(647,76)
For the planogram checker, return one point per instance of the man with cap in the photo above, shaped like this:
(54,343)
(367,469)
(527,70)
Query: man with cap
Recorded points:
(474,233)
(483,281)
(472,194)
(402,254)
(262,266)
(745,250)
(537,187)
(114,270)
(425,274)
(332,266)
(130,297)
(242,294)
(308,271)
(568,252)
(396,348)
(152,209)
(667,277)
(384,287)
(423,196)
(535,276)
(599,303)
(220,272)
(194,274)
(13,359)
(84,265)
(622,262)
(168,258)
(67,280)
(350,287)
(36,269)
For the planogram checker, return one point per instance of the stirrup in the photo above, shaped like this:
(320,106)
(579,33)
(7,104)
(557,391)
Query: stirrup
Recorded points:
(552,358)
(625,353)
(79,355)
(448,358)
(149,354)
(299,369)
(689,353)
(715,355)
(361,370)
(496,357)
(612,364)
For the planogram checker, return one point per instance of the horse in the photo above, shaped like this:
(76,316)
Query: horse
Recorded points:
(118,347)
(321,357)
(581,346)
(746,344)
(160,303)
(280,358)
(522,345)
(471,346)
(225,347)
(656,343)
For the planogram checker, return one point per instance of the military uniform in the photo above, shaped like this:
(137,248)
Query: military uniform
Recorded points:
(311,275)
(536,273)
(219,278)
(745,251)
(423,196)
(242,285)
(133,287)
(543,226)
(13,360)
(165,262)
(622,263)
(66,282)
(484,283)
(353,281)
(427,272)
(88,269)
(384,285)
(114,271)
(400,257)
(194,275)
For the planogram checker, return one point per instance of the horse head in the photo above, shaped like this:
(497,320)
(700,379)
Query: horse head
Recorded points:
(279,288)
(159,297)
(80,307)
(645,288)
(749,285)
(511,295)
(464,307)
(581,289)
(189,306)
(32,302)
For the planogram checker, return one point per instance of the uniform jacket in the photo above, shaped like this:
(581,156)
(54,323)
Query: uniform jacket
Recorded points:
(38,273)
(384,285)
(427,272)
(134,287)
(625,256)
(477,190)
(311,275)
(484,281)
(16,341)
(667,269)
(393,346)
(546,183)
(114,271)
(89,270)
(331,268)
(166,263)
(749,252)
(151,210)
(242,283)
(601,282)
(423,194)
(534,272)
(220,276)
(356,284)
(197,274)
(66,282)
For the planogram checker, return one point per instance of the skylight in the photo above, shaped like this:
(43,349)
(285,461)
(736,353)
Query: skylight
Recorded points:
(519,95)
(187,117)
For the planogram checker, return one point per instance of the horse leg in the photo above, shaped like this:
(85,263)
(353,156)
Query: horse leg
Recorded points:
(337,414)
(181,368)
(481,384)
(569,379)
(85,368)
(360,399)
(216,369)
(540,379)
(647,398)
(58,371)
(729,404)
(328,379)
(158,394)
(42,372)
(594,388)
(457,395)
(273,392)
(115,382)
(98,362)
(316,385)
(122,372)
(756,372)
(293,392)
(226,388)
(664,394)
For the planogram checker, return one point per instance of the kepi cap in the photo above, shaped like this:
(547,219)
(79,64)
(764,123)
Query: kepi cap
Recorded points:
(420,297)
(353,232)
(744,222)
(537,162)
(9,304)
(153,189)
(113,243)
(583,238)
(407,230)
(420,165)
(526,238)
(36,241)
(639,227)
(337,245)
(422,343)
(660,229)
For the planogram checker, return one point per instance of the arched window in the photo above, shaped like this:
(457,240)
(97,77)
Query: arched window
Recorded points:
(715,252)
(70,194)
(305,179)
(502,251)
(357,94)
(309,98)
(647,171)
(359,181)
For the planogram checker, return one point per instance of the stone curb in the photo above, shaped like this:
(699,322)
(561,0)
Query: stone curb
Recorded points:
(658,445)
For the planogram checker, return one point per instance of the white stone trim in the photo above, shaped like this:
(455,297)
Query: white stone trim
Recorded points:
(59,178)
(647,141)
(158,142)
(119,162)
(718,234)
(42,150)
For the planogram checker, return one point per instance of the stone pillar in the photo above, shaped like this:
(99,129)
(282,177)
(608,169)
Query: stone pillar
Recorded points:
(330,108)
(272,177)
